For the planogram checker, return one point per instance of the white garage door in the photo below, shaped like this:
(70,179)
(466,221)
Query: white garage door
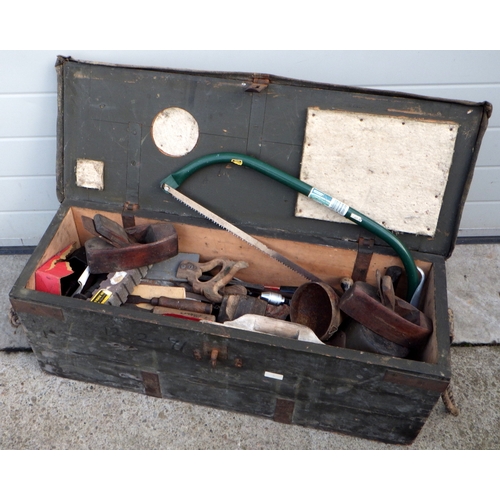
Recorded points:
(28,114)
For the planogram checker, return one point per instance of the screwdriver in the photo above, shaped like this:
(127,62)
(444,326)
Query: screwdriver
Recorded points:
(180,304)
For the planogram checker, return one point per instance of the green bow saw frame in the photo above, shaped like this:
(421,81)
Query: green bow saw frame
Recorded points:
(415,276)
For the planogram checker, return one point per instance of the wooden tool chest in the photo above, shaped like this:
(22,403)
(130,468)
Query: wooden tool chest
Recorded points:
(122,130)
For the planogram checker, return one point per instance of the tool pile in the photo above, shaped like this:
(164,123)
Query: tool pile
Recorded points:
(140,267)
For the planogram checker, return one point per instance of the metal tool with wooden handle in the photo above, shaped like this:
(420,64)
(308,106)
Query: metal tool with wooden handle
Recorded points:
(173,181)
(239,233)
(180,304)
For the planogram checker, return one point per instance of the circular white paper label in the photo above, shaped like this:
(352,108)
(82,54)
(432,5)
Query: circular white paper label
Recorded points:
(175,132)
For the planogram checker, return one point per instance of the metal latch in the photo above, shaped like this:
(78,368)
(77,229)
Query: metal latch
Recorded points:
(259,83)
(128,218)
(214,353)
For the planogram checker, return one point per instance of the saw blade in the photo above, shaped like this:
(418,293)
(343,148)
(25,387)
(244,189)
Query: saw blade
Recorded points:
(239,233)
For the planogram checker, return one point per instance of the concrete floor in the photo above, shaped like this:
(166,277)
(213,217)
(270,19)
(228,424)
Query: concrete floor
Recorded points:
(41,411)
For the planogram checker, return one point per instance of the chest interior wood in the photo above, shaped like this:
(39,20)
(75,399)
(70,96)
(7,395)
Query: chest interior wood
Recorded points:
(329,263)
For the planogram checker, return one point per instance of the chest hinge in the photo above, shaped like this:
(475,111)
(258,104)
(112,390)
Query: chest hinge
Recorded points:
(259,83)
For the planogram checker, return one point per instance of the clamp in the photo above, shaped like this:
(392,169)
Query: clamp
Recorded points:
(210,289)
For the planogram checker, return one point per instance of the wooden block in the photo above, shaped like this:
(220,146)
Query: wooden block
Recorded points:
(153,291)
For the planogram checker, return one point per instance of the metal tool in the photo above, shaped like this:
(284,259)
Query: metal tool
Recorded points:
(173,181)
(405,325)
(257,289)
(346,283)
(211,288)
(180,304)
(112,231)
(159,243)
(82,281)
(165,272)
(316,305)
(354,335)
(388,295)
(274,298)
(395,272)
(361,338)
(415,300)
(89,226)
(182,314)
(115,289)
(281,311)
(239,233)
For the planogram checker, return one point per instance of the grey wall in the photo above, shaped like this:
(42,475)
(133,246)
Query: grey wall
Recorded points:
(28,114)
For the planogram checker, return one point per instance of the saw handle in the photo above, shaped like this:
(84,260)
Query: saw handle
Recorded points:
(177,178)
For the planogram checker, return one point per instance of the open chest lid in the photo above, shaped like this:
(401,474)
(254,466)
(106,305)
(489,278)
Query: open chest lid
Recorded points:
(404,160)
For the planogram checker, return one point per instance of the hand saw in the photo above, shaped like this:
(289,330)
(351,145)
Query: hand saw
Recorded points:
(238,232)
(173,181)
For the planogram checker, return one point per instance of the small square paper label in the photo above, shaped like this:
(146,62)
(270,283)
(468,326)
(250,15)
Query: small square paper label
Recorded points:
(90,174)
